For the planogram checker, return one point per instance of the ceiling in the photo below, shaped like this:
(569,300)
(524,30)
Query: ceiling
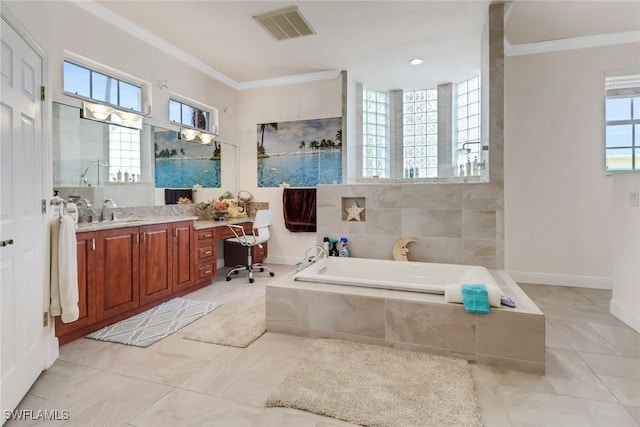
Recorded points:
(373,40)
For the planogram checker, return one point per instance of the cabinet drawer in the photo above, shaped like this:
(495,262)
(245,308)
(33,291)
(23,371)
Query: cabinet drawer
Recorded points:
(204,234)
(205,271)
(205,251)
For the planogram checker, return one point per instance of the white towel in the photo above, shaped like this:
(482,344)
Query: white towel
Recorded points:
(64,270)
(453,293)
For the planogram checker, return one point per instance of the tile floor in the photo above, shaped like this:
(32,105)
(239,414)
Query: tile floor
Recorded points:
(592,379)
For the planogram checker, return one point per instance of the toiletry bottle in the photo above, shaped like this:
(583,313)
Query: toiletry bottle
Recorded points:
(344,252)
(468,168)
(72,211)
(119,175)
(126,176)
(325,245)
(416,173)
(461,170)
(476,168)
(334,250)
(411,172)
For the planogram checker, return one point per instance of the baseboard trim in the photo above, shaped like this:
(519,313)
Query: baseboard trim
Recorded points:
(562,280)
(628,315)
(284,260)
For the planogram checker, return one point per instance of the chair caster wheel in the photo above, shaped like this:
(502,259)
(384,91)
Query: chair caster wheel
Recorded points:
(272,274)
(261,270)
(251,280)
(228,278)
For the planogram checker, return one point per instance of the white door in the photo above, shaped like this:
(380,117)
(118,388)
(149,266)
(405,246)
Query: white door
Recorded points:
(22,225)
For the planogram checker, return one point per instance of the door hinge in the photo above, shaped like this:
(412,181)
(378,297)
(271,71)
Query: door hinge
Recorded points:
(44,206)
(43,93)
(45,319)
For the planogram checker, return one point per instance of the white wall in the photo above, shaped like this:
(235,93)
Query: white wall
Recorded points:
(558,210)
(626,234)
(292,102)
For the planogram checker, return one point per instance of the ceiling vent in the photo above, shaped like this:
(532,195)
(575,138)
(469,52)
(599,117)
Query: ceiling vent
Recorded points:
(285,24)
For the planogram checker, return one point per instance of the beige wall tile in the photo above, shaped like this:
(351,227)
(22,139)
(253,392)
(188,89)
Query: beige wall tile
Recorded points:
(347,314)
(478,224)
(435,325)
(511,335)
(432,223)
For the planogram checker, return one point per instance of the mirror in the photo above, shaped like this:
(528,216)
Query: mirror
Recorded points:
(98,161)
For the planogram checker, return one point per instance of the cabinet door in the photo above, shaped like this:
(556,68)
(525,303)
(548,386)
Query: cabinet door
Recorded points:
(155,262)
(86,245)
(117,271)
(183,255)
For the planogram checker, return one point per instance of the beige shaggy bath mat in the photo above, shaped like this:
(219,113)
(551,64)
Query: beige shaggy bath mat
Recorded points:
(238,325)
(380,386)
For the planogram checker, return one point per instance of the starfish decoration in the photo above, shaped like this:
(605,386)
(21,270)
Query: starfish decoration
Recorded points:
(354,212)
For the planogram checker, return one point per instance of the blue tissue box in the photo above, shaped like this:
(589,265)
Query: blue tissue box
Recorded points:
(475,299)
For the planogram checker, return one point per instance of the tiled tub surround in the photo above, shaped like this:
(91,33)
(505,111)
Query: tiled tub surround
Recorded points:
(454,223)
(510,338)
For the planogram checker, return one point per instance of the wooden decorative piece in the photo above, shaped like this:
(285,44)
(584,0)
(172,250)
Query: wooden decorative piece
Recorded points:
(400,249)
(354,212)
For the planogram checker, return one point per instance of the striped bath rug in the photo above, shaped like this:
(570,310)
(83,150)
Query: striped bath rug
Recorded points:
(152,325)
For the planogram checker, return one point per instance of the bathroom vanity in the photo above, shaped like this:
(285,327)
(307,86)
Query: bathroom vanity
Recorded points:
(128,266)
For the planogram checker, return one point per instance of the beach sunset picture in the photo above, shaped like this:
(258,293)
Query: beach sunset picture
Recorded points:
(182,164)
(302,153)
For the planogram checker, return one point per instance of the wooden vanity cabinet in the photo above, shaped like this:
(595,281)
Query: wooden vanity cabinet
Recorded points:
(156,255)
(183,248)
(124,271)
(205,255)
(86,246)
(117,271)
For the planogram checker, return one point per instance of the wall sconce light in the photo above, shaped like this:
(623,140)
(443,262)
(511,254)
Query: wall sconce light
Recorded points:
(195,135)
(107,114)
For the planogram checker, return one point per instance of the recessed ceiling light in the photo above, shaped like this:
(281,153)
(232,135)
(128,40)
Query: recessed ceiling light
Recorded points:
(416,61)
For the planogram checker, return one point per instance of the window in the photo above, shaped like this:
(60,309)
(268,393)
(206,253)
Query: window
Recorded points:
(420,133)
(188,115)
(622,135)
(124,154)
(375,134)
(468,120)
(91,84)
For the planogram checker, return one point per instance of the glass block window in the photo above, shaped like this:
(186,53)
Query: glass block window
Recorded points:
(622,135)
(188,115)
(420,133)
(467,119)
(375,134)
(124,154)
(95,85)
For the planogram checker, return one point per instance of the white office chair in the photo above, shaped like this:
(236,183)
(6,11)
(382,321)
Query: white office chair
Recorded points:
(259,235)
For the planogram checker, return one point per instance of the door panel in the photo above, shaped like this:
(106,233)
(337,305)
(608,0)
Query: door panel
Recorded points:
(155,262)
(22,286)
(183,255)
(117,266)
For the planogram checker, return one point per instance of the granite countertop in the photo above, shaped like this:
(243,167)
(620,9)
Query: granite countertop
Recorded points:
(140,221)
(130,222)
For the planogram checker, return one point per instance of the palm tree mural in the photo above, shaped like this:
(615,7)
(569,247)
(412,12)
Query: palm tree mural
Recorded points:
(261,128)
(216,151)
(303,146)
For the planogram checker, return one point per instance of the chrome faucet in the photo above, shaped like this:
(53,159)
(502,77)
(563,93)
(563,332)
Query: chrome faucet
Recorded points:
(85,202)
(105,208)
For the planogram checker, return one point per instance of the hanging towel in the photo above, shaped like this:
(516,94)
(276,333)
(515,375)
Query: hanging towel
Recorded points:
(299,208)
(171,195)
(64,270)
(475,299)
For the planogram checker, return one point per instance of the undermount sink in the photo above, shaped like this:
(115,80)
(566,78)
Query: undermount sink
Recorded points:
(128,220)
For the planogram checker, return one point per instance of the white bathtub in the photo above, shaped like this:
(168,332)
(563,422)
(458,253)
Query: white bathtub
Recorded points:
(397,275)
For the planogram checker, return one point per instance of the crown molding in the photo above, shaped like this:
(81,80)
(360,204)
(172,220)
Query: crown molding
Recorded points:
(286,80)
(113,18)
(571,43)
